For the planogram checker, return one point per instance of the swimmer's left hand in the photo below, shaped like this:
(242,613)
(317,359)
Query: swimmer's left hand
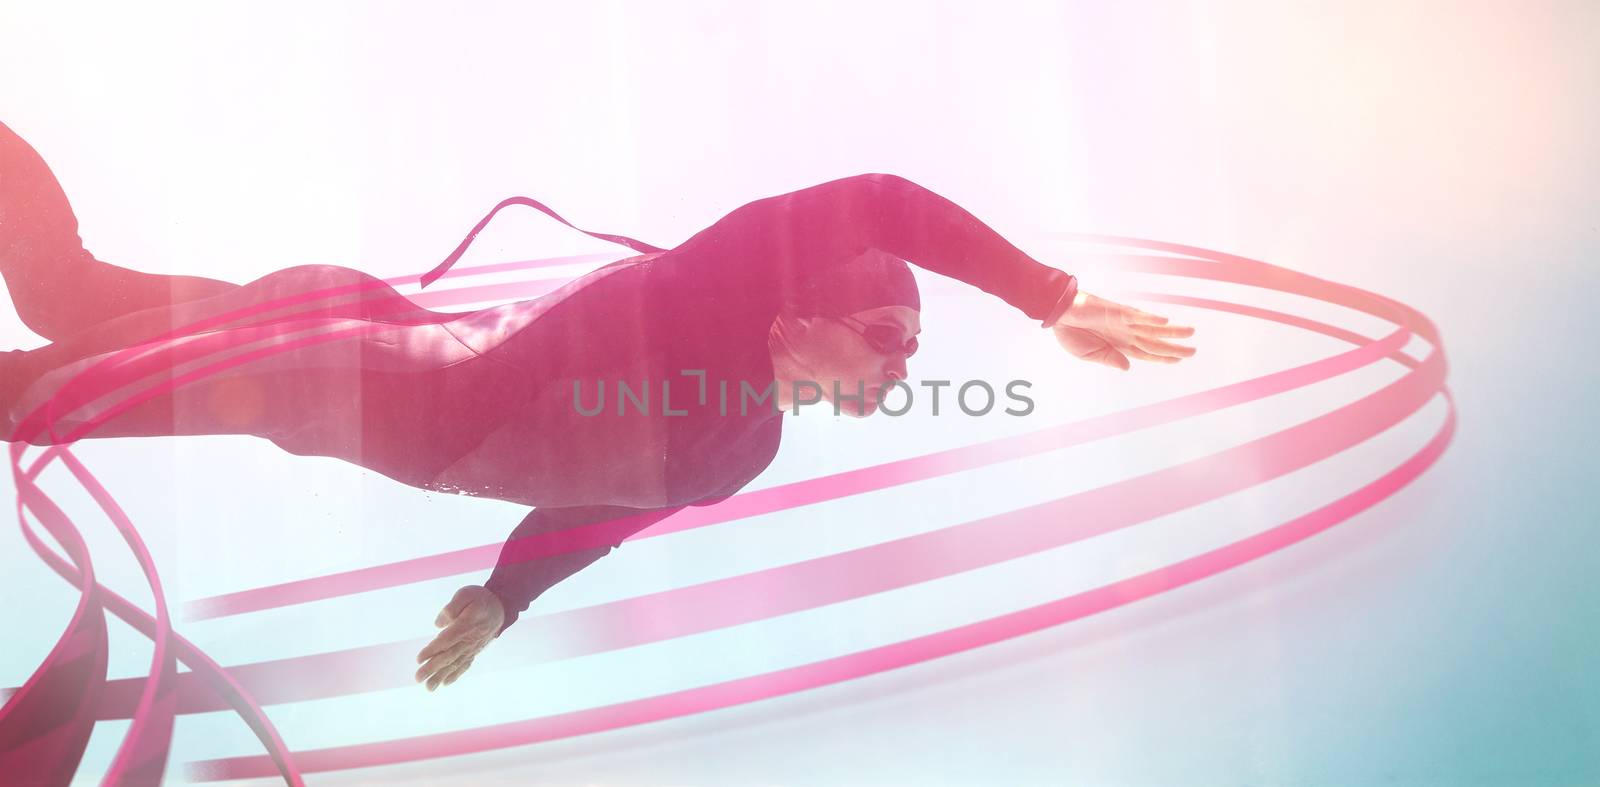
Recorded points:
(470,621)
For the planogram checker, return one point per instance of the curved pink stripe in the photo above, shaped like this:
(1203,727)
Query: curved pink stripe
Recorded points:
(94,383)
(142,757)
(64,688)
(520,290)
(854,665)
(143,754)
(443,267)
(123,356)
(501,267)
(217,677)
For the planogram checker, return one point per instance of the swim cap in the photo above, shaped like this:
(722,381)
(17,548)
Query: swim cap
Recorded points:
(869,280)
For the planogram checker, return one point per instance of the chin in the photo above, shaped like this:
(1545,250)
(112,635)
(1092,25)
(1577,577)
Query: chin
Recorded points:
(852,411)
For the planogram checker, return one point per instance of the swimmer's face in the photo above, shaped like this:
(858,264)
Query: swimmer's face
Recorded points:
(866,349)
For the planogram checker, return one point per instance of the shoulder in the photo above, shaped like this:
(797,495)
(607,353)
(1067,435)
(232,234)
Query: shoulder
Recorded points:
(875,179)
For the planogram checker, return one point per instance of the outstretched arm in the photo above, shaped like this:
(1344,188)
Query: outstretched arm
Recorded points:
(552,544)
(549,545)
(772,245)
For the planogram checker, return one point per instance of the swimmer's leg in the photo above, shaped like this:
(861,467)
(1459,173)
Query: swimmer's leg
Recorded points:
(59,288)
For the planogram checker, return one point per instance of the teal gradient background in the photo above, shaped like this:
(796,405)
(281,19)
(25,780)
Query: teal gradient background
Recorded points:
(1436,153)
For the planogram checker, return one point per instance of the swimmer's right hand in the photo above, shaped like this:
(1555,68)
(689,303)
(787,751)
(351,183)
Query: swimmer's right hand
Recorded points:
(470,621)
(1103,331)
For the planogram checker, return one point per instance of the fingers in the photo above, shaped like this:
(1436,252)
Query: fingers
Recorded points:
(448,640)
(1096,347)
(454,668)
(1159,347)
(1140,316)
(448,671)
(428,672)
(439,660)
(457,671)
(1135,352)
(433,671)
(455,632)
(437,678)
(440,669)
(459,602)
(1173,331)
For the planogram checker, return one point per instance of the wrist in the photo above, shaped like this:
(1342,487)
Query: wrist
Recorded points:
(1070,297)
(508,611)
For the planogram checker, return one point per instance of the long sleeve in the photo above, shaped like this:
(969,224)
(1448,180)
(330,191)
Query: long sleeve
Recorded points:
(552,544)
(774,244)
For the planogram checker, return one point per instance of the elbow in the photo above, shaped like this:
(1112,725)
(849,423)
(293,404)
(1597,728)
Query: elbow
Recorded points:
(887,181)
(874,183)
(884,189)
(870,190)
